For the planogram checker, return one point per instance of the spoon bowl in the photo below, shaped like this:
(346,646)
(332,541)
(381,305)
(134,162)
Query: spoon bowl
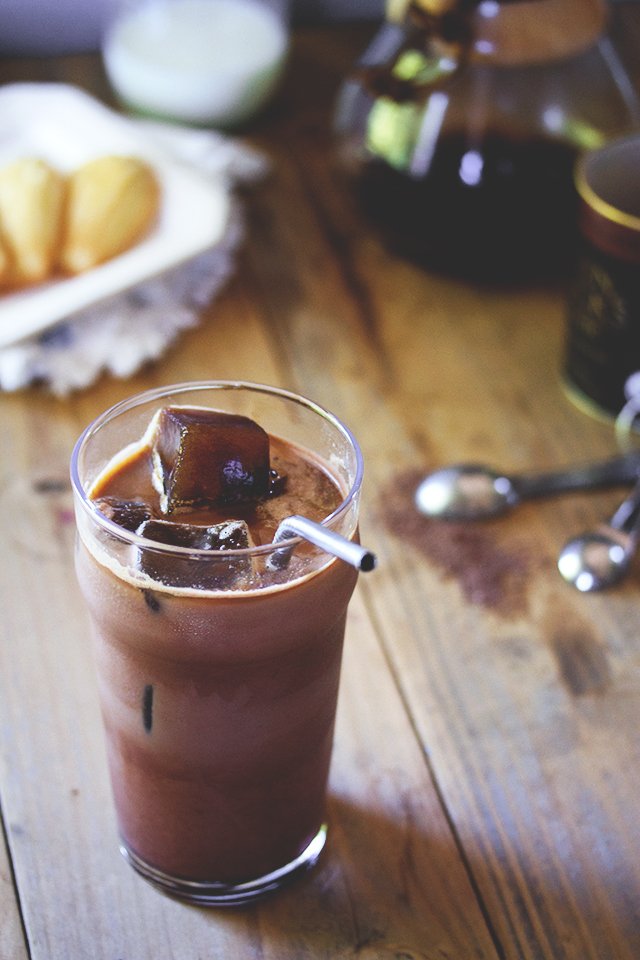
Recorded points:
(471,491)
(596,560)
(600,558)
(465,492)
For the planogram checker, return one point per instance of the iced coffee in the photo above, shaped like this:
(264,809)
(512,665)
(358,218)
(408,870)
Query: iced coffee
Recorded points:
(217,667)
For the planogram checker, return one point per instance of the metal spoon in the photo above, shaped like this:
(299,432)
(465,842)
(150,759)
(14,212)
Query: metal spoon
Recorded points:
(601,557)
(471,491)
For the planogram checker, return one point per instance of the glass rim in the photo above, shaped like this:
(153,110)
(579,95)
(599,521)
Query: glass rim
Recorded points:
(191,386)
(588,193)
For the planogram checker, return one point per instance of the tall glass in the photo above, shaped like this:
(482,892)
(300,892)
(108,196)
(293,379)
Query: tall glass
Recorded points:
(218,704)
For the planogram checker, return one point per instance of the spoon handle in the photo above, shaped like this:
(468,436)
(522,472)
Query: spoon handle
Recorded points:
(626,519)
(616,470)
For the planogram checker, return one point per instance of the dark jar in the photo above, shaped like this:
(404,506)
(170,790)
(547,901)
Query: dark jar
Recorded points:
(460,127)
(603,314)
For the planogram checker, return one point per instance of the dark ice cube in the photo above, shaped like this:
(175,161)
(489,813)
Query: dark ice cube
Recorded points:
(204,457)
(126,513)
(187,570)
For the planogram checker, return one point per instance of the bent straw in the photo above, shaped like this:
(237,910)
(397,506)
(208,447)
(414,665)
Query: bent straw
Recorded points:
(327,540)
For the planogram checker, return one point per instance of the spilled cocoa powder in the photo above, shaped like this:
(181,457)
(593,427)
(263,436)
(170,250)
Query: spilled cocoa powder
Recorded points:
(491,566)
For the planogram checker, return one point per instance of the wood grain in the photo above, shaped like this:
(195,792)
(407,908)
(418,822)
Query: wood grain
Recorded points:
(485,778)
(516,710)
(12,942)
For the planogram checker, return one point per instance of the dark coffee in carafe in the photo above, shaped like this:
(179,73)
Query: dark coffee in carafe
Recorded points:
(460,127)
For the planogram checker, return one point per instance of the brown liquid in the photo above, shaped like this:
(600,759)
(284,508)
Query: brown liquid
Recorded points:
(308,489)
(515,222)
(219,707)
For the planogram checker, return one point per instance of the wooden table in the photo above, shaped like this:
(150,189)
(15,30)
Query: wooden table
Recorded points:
(486,774)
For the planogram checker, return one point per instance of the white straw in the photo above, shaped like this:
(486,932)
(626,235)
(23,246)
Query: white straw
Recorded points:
(327,540)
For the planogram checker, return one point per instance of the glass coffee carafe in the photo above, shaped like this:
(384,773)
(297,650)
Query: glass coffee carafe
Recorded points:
(461,124)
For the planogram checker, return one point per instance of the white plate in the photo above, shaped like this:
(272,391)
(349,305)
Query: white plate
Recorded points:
(67,127)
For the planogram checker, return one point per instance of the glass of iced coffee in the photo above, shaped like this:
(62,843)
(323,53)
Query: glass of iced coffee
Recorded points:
(217,667)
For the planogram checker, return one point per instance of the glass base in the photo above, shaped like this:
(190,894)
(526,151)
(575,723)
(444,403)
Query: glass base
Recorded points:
(212,894)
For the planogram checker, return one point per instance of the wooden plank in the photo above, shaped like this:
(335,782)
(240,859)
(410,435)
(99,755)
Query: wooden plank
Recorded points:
(529,708)
(392,879)
(12,943)
(392,876)
(510,828)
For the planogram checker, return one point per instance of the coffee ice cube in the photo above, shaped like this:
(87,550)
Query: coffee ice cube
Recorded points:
(189,570)
(126,513)
(205,457)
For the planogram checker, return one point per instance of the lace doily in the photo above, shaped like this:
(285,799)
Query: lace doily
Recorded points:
(130,329)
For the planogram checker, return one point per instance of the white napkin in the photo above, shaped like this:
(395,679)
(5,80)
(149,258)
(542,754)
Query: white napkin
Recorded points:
(132,328)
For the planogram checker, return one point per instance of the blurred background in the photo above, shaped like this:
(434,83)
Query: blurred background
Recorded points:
(71,26)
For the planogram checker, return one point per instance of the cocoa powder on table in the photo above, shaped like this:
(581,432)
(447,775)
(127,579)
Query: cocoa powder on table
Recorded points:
(490,564)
